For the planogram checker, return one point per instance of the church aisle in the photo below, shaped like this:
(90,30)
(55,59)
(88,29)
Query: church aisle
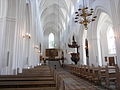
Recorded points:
(68,81)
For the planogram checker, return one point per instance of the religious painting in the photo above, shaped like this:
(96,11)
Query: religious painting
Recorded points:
(51,53)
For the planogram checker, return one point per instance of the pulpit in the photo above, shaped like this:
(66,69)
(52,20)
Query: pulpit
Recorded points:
(74,55)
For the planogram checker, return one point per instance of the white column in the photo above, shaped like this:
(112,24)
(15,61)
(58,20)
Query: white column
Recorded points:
(18,55)
(7,34)
(3,10)
(117,39)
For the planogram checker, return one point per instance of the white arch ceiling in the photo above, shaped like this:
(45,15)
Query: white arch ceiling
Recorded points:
(52,25)
(54,13)
(104,20)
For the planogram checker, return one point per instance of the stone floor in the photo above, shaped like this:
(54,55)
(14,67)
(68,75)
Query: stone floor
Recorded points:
(68,81)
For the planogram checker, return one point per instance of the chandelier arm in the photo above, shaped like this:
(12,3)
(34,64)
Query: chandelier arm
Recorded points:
(85,15)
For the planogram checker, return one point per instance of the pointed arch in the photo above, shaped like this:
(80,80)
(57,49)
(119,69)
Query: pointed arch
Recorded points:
(51,40)
(111,41)
(105,38)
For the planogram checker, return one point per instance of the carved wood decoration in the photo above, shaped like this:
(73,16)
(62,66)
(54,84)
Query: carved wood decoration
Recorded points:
(111,61)
(51,53)
(86,48)
(74,56)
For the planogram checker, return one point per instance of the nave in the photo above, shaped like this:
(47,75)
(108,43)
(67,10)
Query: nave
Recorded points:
(83,35)
(68,77)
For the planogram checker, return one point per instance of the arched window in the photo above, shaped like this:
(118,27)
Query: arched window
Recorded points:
(111,41)
(84,46)
(51,40)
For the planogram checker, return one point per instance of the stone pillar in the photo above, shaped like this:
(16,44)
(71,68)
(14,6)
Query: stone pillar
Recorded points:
(117,39)
(8,15)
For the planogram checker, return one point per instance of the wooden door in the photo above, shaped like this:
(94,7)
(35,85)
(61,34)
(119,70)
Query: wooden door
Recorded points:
(111,61)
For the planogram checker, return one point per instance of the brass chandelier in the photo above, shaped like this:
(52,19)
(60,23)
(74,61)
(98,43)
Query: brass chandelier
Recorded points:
(84,16)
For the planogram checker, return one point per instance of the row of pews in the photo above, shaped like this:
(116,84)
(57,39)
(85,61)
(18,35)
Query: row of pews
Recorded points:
(38,78)
(68,81)
(107,77)
(45,78)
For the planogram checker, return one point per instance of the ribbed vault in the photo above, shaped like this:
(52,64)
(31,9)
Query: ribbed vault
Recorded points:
(54,13)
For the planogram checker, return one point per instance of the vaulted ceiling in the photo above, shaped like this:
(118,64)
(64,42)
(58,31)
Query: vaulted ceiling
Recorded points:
(55,14)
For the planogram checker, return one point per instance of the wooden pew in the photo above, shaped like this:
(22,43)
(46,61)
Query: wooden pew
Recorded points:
(95,75)
(98,75)
(84,71)
(67,81)
(32,79)
(118,80)
(27,79)
(37,88)
(111,76)
(25,84)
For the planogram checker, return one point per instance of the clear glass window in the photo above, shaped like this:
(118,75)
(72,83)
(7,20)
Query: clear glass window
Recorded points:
(111,41)
(51,40)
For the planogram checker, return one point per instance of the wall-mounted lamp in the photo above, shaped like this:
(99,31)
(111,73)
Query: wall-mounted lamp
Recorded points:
(86,47)
(69,52)
(28,67)
(27,36)
(37,50)
(36,47)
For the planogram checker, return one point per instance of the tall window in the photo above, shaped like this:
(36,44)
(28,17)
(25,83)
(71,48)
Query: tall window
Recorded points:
(111,41)
(51,40)
(85,59)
